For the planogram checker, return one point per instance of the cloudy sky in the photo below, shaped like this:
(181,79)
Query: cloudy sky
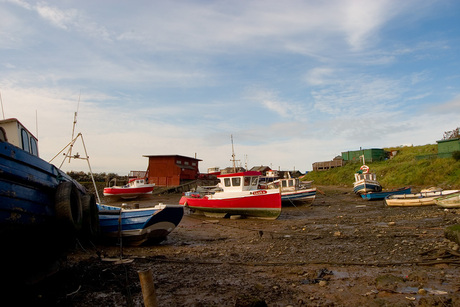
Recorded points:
(294,82)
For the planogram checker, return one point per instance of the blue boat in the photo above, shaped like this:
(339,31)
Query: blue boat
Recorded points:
(41,208)
(383,194)
(365,181)
(136,226)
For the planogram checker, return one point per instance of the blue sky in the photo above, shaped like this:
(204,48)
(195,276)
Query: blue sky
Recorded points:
(294,82)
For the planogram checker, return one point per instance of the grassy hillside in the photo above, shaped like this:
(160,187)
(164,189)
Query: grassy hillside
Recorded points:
(403,170)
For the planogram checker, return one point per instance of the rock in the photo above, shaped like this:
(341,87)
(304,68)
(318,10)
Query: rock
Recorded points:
(322,283)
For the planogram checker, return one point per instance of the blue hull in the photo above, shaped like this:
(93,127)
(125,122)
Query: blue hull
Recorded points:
(382,195)
(137,226)
(306,196)
(366,188)
(29,228)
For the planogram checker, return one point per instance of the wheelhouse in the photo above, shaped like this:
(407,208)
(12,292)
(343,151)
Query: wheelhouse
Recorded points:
(13,132)
(244,181)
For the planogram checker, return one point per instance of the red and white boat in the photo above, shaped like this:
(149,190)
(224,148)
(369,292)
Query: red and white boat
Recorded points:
(238,195)
(134,188)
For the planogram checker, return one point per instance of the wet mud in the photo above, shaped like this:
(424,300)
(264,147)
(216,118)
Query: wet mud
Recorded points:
(339,251)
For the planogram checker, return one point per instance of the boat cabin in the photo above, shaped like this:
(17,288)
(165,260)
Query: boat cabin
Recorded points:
(237,182)
(365,176)
(13,132)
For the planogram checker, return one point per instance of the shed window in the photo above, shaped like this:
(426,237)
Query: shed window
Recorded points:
(179,162)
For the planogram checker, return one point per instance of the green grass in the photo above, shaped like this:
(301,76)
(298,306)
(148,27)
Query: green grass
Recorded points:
(405,169)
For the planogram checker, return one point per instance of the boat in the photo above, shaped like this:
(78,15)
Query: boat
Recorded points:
(448,201)
(365,181)
(134,188)
(42,209)
(293,191)
(136,226)
(381,195)
(238,195)
(416,199)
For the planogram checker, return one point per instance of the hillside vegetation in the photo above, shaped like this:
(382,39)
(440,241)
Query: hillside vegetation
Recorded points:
(405,169)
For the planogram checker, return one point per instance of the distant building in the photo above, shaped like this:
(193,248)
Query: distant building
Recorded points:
(327,165)
(447,147)
(137,174)
(171,170)
(262,169)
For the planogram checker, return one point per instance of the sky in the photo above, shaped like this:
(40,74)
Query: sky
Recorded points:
(292,82)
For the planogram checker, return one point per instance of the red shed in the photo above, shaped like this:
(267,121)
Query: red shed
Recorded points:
(171,170)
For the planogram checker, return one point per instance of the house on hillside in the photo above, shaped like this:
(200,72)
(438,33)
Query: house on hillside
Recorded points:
(447,147)
(327,165)
(171,170)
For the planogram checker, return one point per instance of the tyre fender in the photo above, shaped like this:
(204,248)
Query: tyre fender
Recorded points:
(68,206)
(90,223)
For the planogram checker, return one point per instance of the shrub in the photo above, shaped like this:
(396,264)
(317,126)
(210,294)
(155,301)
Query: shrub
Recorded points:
(456,155)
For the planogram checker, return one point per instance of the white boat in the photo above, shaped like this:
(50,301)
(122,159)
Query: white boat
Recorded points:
(416,199)
(448,201)
(293,190)
(365,181)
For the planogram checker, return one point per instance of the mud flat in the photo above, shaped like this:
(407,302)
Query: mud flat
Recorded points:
(340,251)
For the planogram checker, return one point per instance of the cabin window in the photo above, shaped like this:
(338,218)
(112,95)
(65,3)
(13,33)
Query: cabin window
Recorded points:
(291,183)
(254,181)
(283,183)
(33,147)
(247,181)
(3,135)
(227,182)
(25,140)
(236,181)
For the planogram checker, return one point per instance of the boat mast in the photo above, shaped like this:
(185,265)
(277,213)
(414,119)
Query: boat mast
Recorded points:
(233,155)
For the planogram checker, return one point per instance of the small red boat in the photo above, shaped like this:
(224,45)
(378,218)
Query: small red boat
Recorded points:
(133,189)
(238,194)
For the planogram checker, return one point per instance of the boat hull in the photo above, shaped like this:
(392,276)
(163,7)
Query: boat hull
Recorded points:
(449,201)
(128,193)
(29,221)
(260,204)
(383,194)
(416,199)
(139,226)
(306,196)
(361,187)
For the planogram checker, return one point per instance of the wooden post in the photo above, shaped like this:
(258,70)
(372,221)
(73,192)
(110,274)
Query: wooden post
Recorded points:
(148,288)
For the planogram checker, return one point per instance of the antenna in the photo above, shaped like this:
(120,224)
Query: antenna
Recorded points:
(233,155)
(1,100)
(74,124)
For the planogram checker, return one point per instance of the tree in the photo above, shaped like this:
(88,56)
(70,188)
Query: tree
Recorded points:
(454,134)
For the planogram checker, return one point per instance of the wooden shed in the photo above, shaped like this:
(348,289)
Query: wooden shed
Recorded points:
(171,170)
(447,147)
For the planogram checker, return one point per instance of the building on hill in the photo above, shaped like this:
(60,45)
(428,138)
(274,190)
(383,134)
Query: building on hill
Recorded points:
(171,170)
(370,155)
(447,147)
(327,165)
(262,169)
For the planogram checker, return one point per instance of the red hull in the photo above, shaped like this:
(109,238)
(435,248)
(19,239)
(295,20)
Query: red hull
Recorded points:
(260,206)
(120,191)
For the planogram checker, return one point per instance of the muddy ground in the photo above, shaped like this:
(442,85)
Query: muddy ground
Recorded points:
(339,251)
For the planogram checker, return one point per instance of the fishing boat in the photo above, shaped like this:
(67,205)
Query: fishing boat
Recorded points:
(238,195)
(41,207)
(136,226)
(381,195)
(293,191)
(134,188)
(416,199)
(448,201)
(365,181)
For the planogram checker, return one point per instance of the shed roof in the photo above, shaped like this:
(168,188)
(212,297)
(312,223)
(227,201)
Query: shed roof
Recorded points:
(148,156)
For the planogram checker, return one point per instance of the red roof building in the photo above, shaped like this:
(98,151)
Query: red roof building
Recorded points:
(171,170)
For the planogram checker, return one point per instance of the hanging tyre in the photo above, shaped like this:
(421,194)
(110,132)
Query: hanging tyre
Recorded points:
(90,226)
(68,206)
